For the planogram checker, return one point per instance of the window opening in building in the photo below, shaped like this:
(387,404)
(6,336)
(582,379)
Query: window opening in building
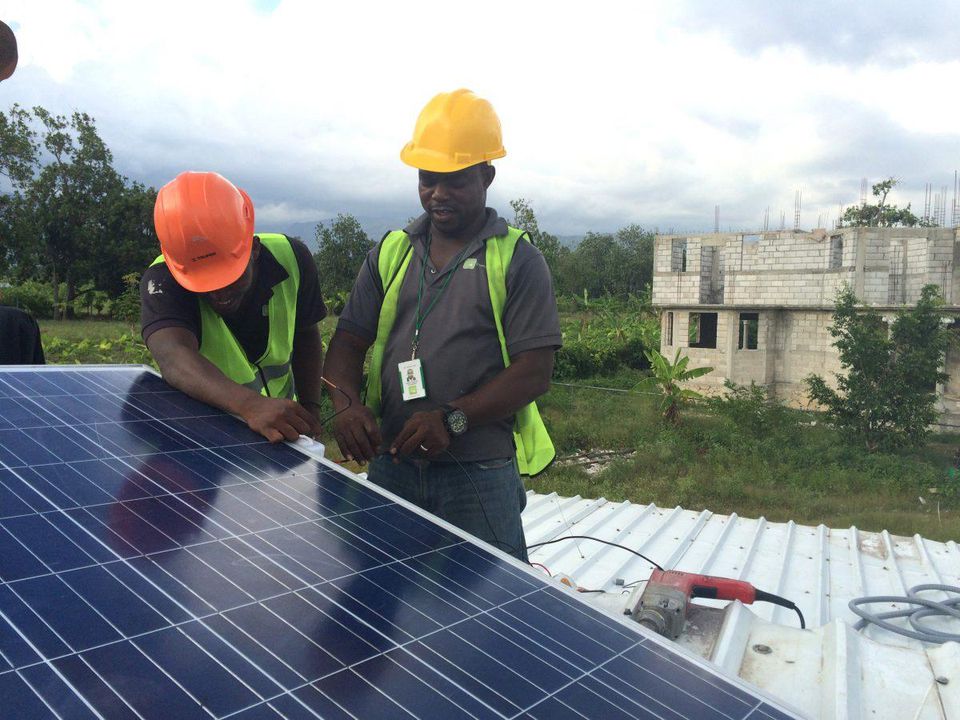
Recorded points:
(678,255)
(703,330)
(836,252)
(668,328)
(749,331)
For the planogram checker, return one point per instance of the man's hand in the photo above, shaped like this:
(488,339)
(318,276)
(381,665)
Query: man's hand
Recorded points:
(357,433)
(279,419)
(423,433)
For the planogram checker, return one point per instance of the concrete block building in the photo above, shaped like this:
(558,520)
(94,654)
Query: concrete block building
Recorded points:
(757,307)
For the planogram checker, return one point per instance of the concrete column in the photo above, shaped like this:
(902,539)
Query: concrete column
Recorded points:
(733,328)
(860,263)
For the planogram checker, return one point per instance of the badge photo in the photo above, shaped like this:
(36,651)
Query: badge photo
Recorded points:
(411,379)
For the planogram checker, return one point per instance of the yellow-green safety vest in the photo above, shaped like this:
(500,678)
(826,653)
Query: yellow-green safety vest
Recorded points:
(534,448)
(271,374)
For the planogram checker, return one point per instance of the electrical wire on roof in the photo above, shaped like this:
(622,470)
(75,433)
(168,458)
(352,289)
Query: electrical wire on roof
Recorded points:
(543,567)
(917,614)
(605,542)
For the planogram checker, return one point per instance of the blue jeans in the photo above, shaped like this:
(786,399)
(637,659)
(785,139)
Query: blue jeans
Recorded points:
(484,498)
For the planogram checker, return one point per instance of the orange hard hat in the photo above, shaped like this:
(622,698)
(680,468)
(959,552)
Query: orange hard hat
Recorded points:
(205,226)
(8,51)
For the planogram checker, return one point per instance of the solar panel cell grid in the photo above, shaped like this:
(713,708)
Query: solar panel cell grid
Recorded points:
(159,560)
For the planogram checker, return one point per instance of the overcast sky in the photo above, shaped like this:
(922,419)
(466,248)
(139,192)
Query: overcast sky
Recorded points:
(612,112)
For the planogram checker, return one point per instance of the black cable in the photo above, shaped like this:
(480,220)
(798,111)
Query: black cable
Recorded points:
(588,537)
(511,548)
(782,602)
(342,392)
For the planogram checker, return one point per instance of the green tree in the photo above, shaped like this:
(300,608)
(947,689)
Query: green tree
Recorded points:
(885,398)
(59,218)
(343,247)
(125,239)
(667,378)
(525,219)
(637,270)
(596,266)
(881,214)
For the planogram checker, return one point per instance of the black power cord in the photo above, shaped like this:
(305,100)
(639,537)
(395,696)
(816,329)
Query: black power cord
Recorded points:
(512,549)
(782,602)
(605,542)
(342,392)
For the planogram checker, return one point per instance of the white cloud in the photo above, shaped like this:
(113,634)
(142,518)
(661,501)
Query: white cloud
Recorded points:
(613,112)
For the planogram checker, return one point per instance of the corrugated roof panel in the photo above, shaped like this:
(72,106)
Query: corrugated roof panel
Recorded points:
(818,568)
(829,670)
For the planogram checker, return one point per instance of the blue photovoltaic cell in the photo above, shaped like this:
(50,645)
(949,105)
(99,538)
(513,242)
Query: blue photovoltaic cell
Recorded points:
(160,560)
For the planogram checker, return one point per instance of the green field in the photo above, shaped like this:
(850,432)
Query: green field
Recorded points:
(791,467)
(796,471)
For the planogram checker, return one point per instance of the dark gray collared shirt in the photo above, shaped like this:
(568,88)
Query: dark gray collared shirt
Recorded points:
(458,346)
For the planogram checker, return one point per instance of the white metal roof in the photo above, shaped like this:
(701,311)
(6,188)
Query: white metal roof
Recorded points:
(829,671)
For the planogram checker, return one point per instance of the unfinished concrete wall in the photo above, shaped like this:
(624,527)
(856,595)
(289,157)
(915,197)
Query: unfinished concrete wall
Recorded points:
(791,280)
(803,346)
(716,357)
(676,287)
(753,365)
(711,275)
(950,397)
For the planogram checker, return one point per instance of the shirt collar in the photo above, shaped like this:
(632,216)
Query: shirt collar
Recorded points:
(494,226)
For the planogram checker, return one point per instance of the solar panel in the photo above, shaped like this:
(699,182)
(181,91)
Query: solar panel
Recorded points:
(159,560)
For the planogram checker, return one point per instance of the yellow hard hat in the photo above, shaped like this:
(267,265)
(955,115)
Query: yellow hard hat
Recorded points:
(454,131)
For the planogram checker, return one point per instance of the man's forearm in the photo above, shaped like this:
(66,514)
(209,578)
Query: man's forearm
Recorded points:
(307,363)
(199,378)
(344,367)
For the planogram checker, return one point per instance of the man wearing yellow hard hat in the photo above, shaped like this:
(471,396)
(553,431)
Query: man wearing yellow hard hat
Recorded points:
(460,312)
(232,318)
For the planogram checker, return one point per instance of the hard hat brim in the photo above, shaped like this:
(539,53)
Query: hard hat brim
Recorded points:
(432,161)
(215,276)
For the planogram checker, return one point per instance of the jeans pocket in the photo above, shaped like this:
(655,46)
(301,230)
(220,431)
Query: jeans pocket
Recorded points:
(497,464)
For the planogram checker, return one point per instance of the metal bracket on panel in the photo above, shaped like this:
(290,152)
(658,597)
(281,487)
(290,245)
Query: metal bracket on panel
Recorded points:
(310,446)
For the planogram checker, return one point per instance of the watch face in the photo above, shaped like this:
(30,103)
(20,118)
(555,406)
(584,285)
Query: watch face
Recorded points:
(456,422)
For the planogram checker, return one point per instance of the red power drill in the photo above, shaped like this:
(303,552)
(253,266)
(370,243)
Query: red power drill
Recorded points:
(663,605)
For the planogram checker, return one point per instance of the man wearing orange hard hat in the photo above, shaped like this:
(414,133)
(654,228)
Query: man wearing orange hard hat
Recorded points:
(232,318)
(460,312)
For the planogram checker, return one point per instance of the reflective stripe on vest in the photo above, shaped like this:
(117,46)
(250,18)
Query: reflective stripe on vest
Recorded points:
(219,345)
(534,448)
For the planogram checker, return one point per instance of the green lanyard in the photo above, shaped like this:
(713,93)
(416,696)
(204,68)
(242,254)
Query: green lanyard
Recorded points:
(423,274)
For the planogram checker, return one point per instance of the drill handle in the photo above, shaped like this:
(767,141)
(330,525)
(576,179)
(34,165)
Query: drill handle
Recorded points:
(724,589)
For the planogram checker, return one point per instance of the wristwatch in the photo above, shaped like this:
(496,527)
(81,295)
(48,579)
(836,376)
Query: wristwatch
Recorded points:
(454,420)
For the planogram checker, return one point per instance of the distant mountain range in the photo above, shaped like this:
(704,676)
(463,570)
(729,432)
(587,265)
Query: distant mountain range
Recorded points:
(375,227)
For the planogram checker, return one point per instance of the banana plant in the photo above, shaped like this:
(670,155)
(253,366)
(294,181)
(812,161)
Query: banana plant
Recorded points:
(667,377)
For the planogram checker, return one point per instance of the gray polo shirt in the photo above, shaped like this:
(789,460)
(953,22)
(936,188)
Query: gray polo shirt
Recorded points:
(459,347)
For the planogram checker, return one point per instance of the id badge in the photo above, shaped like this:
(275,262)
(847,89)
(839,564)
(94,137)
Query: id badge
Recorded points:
(411,379)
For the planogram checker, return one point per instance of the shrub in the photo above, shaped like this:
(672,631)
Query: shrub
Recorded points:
(750,408)
(31,296)
(127,305)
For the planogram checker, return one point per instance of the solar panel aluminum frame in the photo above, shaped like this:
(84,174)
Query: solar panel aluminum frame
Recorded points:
(315,451)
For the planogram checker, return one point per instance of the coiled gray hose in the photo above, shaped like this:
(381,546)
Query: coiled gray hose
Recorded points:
(915,616)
